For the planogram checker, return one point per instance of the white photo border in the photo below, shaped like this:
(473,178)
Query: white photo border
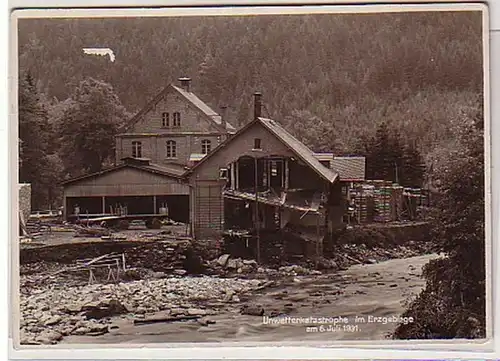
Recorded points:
(406,349)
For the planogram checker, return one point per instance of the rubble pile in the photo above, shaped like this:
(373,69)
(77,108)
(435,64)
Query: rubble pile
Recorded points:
(227,265)
(345,255)
(48,314)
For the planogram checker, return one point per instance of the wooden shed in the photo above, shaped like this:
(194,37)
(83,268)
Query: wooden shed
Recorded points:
(136,185)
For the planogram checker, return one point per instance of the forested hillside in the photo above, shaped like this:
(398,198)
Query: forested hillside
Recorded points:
(330,79)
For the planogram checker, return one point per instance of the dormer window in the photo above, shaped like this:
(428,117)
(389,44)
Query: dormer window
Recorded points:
(136,149)
(206,146)
(177,119)
(165,120)
(256,144)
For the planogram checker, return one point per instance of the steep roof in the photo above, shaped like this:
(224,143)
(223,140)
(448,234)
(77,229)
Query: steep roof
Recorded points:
(190,97)
(203,107)
(173,172)
(301,150)
(292,143)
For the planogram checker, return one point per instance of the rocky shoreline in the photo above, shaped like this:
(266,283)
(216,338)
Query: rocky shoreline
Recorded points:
(50,313)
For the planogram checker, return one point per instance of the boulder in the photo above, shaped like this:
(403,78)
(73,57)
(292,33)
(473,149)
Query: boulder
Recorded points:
(73,309)
(222,260)
(252,310)
(180,272)
(324,263)
(159,275)
(232,264)
(104,309)
(54,320)
(49,337)
(97,330)
(250,262)
(80,331)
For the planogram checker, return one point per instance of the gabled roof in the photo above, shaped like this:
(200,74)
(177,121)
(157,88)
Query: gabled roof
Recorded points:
(349,168)
(292,143)
(203,107)
(190,97)
(173,172)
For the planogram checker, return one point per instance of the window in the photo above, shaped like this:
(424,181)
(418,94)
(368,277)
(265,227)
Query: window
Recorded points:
(256,143)
(171,149)
(206,146)
(274,168)
(177,119)
(165,120)
(223,173)
(136,149)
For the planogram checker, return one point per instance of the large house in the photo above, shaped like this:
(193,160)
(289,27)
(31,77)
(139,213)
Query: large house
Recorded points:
(152,154)
(173,128)
(262,177)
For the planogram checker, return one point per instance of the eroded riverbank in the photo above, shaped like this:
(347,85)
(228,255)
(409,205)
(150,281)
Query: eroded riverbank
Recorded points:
(378,290)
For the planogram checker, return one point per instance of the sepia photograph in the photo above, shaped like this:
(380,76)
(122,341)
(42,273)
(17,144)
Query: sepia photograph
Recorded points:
(255,176)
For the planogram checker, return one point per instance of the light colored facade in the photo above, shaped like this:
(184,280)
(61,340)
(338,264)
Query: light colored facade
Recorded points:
(172,127)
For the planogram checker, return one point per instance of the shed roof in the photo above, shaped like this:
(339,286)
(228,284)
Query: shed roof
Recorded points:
(190,97)
(349,168)
(292,143)
(167,171)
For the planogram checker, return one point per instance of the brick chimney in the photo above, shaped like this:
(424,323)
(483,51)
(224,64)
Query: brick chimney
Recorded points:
(185,83)
(223,114)
(257,105)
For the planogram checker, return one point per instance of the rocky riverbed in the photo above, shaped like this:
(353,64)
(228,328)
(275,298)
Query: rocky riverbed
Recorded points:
(49,313)
(179,284)
(370,297)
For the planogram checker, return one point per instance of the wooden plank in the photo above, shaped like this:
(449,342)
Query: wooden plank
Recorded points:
(165,319)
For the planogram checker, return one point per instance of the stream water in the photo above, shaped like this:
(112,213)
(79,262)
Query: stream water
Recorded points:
(359,303)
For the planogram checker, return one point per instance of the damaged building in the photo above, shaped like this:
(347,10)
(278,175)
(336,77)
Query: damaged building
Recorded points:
(153,151)
(263,178)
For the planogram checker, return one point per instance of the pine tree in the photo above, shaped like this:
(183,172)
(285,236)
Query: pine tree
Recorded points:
(413,167)
(33,136)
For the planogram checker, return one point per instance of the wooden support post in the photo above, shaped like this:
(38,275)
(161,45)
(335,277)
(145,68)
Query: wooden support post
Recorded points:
(287,174)
(103,205)
(257,220)
(237,175)
(233,176)
(154,205)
